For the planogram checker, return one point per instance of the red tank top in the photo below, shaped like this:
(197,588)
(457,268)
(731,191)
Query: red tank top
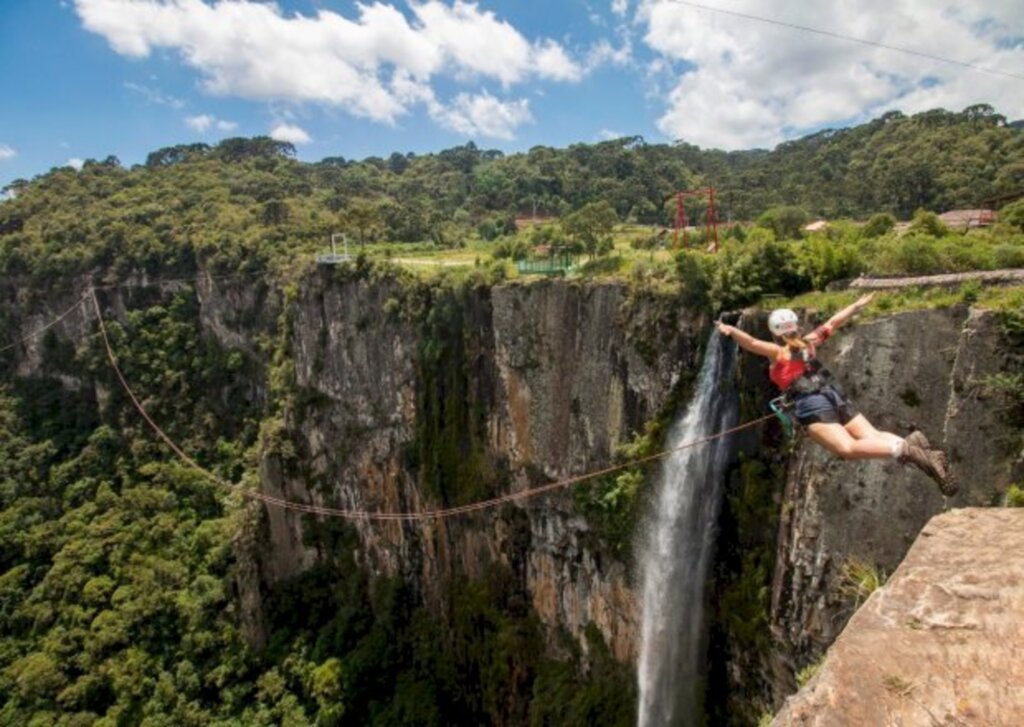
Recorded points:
(785,372)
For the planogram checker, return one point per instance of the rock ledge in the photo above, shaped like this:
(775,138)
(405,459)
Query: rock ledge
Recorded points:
(941,643)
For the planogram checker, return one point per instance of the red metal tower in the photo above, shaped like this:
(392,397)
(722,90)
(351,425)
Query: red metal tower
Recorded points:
(710,216)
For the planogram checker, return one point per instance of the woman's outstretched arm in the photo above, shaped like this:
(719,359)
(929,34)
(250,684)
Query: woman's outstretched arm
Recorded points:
(839,319)
(748,342)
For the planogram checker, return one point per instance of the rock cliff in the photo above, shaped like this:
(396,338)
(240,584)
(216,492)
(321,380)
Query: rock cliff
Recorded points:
(940,643)
(526,384)
(401,395)
(922,369)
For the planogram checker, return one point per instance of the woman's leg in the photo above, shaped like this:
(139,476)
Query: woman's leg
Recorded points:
(837,440)
(860,428)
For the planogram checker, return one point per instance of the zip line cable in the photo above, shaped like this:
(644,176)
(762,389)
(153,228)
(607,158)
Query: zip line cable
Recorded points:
(132,286)
(366,515)
(849,38)
(123,286)
(172,281)
(48,326)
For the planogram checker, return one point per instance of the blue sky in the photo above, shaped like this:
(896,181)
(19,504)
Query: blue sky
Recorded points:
(88,78)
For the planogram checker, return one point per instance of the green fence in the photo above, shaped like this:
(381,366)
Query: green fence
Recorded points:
(547,266)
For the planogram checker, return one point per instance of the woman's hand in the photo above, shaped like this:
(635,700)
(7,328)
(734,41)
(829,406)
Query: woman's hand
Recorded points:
(725,329)
(842,316)
(864,301)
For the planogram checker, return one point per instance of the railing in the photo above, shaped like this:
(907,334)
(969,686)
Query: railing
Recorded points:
(550,266)
(332,258)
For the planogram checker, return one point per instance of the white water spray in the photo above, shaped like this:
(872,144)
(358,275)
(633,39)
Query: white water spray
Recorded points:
(678,545)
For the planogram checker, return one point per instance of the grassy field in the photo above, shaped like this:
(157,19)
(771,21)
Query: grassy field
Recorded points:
(477,252)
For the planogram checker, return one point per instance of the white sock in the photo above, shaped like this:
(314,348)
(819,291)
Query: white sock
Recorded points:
(898,448)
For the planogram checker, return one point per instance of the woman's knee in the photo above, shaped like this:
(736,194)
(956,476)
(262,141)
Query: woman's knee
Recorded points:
(844,449)
(834,438)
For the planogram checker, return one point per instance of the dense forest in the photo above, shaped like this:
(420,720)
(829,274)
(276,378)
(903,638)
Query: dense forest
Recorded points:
(116,603)
(244,201)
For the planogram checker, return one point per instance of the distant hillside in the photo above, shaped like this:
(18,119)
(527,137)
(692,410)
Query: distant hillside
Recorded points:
(936,160)
(244,195)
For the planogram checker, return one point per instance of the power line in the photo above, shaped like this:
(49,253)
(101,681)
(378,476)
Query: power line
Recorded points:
(850,38)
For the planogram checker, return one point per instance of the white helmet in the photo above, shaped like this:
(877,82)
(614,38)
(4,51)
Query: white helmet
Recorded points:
(782,321)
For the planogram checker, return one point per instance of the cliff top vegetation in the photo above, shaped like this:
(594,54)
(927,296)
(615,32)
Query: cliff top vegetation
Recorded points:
(247,204)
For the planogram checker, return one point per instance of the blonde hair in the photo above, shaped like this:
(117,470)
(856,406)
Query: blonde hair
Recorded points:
(791,344)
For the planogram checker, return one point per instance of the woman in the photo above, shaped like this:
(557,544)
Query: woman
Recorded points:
(820,404)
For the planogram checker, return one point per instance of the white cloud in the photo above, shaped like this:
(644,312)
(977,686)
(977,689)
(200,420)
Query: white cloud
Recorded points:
(254,50)
(76,163)
(199,123)
(203,122)
(154,96)
(482,115)
(551,61)
(620,7)
(290,133)
(7,152)
(604,52)
(609,134)
(740,83)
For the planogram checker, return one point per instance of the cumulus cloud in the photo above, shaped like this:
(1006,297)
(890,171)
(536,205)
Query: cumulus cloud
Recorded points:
(199,123)
(255,51)
(482,115)
(603,52)
(290,133)
(739,83)
(76,163)
(204,122)
(7,152)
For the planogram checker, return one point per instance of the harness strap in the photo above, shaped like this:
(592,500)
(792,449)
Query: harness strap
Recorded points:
(779,405)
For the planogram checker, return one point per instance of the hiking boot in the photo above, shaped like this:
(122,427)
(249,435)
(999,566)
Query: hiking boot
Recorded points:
(917,439)
(933,463)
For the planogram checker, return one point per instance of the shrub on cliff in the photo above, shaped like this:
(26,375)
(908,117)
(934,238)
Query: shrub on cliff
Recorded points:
(786,223)
(878,225)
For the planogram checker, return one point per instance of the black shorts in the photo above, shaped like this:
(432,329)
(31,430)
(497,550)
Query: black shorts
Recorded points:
(828,405)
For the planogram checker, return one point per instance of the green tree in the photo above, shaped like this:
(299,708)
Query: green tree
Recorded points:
(364,218)
(591,226)
(878,225)
(786,222)
(928,223)
(1013,214)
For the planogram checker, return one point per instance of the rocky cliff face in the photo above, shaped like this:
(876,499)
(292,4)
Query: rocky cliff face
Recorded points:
(535,382)
(940,642)
(405,397)
(926,370)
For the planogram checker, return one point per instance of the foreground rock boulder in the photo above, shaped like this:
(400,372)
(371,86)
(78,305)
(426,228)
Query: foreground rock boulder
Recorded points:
(941,643)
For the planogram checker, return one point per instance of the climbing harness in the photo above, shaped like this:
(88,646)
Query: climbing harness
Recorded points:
(779,406)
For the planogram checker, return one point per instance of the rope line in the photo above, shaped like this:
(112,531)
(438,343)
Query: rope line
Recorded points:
(850,38)
(367,515)
(90,290)
(48,326)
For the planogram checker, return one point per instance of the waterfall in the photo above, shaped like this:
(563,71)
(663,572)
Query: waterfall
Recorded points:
(677,546)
